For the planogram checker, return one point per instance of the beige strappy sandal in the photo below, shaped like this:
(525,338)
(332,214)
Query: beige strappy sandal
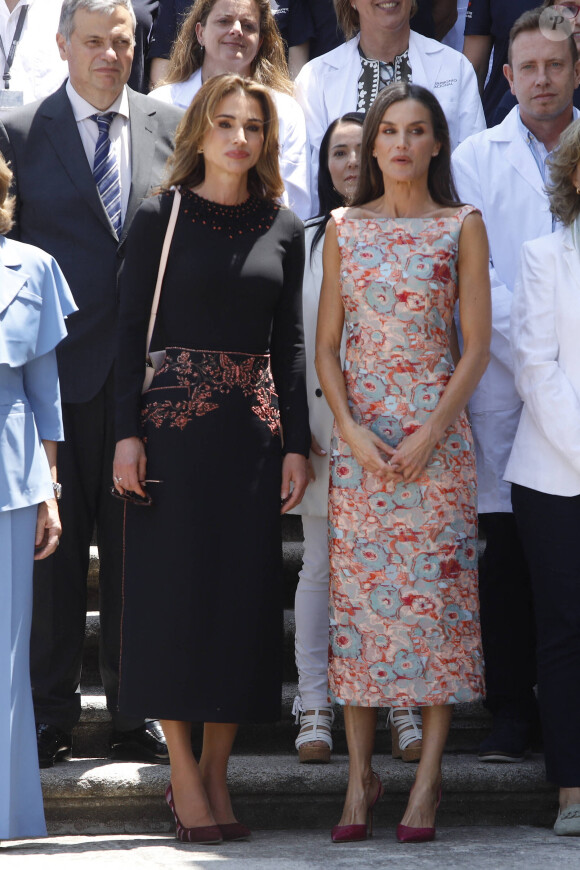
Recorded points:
(406,733)
(315,725)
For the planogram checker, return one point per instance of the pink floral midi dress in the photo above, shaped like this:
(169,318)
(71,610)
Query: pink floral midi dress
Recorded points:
(404,616)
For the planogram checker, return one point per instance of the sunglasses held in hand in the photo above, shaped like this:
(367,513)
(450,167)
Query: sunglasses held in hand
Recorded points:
(133,497)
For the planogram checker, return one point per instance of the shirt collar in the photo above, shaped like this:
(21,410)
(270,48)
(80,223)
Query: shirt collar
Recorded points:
(5,12)
(8,254)
(83,110)
(527,134)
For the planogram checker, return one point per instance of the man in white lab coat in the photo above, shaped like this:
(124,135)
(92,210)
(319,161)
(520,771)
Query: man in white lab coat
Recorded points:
(502,171)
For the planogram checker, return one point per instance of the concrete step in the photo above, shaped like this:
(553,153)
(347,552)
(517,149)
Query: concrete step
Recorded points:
(95,796)
(90,737)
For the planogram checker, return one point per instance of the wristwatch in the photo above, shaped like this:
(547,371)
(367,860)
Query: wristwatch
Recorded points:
(57,487)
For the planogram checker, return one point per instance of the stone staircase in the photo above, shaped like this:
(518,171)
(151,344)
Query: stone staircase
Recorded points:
(91,794)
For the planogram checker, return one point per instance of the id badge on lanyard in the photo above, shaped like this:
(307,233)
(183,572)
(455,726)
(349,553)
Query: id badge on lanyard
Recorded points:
(10,98)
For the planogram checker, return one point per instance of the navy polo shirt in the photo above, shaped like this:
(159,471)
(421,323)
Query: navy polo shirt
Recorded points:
(313,21)
(145,11)
(169,19)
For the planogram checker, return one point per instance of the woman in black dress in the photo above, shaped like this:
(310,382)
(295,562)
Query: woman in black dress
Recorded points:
(207,437)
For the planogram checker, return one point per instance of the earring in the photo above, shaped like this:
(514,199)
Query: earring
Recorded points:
(578,191)
(200,150)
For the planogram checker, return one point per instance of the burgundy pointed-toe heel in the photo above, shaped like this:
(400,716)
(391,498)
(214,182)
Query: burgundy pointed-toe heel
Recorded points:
(406,834)
(356,833)
(207,835)
(234,831)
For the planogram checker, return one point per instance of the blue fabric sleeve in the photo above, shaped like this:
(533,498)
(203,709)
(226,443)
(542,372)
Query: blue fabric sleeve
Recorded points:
(34,321)
(43,392)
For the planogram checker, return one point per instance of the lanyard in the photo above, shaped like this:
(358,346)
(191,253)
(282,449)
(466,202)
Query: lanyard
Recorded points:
(10,57)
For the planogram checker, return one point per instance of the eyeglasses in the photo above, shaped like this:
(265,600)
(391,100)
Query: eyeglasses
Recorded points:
(568,10)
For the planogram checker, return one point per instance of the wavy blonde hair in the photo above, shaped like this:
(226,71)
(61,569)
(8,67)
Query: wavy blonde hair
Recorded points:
(269,67)
(6,202)
(348,17)
(564,201)
(187,165)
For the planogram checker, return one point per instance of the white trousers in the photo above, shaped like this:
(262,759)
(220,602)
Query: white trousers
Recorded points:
(311,614)
(21,810)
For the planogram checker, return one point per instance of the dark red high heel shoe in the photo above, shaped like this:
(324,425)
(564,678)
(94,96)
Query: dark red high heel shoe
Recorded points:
(355,833)
(207,835)
(234,831)
(406,834)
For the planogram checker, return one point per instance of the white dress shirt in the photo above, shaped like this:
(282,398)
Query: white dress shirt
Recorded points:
(37,69)
(120,135)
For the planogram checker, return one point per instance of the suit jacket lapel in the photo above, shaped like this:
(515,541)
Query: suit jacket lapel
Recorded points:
(143,134)
(62,131)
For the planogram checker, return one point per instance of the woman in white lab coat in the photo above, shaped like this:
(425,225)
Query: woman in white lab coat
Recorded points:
(544,467)
(382,48)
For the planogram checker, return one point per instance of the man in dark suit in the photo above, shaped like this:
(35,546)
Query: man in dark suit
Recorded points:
(83,160)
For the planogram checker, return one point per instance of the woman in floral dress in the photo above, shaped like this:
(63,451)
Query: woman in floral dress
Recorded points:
(402,512)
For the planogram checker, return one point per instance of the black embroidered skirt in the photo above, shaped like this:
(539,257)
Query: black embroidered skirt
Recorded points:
(202,595)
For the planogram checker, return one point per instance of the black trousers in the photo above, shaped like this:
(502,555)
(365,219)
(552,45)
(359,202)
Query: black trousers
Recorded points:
(549,526)
(507,620)
(85,467)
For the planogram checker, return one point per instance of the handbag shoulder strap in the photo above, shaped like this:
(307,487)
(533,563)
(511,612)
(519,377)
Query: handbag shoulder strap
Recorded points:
(162,265)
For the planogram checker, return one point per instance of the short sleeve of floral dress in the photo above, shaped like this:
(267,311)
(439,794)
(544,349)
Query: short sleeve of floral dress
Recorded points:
(403,558)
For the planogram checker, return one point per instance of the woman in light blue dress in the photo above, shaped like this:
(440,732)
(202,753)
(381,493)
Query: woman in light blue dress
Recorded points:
(34,300)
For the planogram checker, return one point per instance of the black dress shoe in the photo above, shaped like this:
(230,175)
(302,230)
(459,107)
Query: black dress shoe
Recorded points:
(508,741)
(53,744)
(146,743)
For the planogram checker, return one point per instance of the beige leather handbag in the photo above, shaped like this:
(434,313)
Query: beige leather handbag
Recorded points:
(155,359)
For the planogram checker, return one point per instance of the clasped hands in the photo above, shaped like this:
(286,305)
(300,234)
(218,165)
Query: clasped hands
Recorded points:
(395,464)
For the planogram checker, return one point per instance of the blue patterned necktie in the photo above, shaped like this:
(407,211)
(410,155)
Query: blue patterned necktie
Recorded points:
(106,171)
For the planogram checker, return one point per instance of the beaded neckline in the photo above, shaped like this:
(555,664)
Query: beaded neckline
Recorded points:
(251,216)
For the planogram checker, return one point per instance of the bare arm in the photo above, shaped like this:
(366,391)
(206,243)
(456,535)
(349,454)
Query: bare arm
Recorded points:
(477,49)
(298,55)
(368,449)
(414,451)
(48,527)
(159,67)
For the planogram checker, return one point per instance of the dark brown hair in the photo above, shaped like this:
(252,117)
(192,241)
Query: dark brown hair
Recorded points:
(439,180)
